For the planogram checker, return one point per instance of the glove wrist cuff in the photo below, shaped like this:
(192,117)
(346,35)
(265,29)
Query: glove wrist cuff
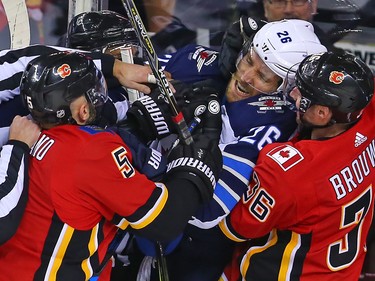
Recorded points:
(193,165)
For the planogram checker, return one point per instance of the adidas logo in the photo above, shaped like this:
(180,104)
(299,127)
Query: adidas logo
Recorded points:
(359,139)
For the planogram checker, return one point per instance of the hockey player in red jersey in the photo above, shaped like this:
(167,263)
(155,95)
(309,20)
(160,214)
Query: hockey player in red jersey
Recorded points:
(308,209)
(83,186)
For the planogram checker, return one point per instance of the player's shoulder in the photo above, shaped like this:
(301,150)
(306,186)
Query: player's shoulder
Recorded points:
(194,63)
(87,134)
(98,135)
(283,156)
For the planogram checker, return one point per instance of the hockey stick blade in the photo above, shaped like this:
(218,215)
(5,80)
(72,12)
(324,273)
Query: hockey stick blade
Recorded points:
(161,79)
(18,22)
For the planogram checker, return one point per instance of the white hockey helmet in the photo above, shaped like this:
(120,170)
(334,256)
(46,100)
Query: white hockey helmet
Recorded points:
(282,45)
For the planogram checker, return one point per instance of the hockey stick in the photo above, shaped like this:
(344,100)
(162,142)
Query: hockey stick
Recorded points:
(127,56)
(161,79)
(76,7)
(18,22)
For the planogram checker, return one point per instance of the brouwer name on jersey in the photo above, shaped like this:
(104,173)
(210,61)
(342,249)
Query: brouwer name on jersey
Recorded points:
(41,147)
(351,176)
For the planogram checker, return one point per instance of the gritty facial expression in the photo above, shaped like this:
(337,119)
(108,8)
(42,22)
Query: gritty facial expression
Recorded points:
(251,78)
(288,10)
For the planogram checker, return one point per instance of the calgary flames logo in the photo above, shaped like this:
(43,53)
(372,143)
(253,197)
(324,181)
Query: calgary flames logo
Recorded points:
(336,77)
(64,70)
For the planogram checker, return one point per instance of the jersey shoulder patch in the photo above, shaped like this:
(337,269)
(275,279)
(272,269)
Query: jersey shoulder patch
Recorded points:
(285,155)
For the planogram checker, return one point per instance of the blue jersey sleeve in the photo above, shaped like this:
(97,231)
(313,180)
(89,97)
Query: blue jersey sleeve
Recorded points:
(248,126)
(194,63)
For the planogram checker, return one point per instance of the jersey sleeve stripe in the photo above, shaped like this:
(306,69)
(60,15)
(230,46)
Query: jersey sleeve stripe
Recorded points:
(288,257)
(227,232)
(92,247)
(226,195)
(154,211)
(58,252)
(272,240)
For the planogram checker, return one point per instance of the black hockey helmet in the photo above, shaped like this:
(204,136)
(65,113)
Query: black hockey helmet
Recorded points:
(340,81)
(51,82)
(95,30)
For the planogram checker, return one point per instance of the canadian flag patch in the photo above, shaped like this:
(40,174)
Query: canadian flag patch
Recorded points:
(286,156)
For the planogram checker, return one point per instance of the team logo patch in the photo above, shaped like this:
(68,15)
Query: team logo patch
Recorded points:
(204,57)
(286,156)
(269,103)
(336,77)
(64,70)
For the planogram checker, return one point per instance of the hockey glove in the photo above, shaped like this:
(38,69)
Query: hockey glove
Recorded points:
(199,163)
(234,38)
(151,117)
(211,123)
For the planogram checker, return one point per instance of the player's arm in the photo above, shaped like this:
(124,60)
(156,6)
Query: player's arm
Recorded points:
(154,210)
(238,162)
(150,117)
(13,63)
(233,41)
(13,175)
(266,204)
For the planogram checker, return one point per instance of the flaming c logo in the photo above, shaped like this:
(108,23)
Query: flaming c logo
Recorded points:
(64,70)
(336,77)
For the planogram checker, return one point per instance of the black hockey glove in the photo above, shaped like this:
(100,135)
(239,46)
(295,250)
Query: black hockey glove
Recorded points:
(210,125)
(234,38)
(151,116)
(199,163)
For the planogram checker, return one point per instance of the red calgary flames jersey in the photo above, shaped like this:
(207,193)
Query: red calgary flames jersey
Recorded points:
(311,202)
(82,185)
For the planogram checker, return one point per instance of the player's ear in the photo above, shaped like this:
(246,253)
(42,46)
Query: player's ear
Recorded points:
(323,114)
(84,112)
(80,109)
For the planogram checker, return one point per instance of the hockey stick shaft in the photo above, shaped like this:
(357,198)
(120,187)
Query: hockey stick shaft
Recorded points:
(161,79)
(127,56)
(18,21)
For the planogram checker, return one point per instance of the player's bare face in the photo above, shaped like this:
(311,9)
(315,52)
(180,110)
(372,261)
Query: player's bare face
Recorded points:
(276,11)
(251,78)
